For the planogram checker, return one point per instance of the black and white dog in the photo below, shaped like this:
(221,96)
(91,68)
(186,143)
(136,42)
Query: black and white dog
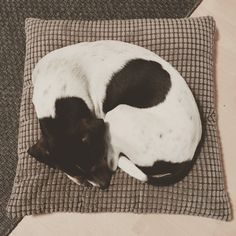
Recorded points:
(152,125)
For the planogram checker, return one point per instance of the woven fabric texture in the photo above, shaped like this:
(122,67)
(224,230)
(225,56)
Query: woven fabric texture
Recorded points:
(12,52)
(188,45)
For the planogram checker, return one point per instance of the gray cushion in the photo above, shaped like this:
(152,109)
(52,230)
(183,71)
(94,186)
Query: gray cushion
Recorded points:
(188,45)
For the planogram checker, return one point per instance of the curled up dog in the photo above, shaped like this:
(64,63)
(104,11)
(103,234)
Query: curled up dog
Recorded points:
(108,104)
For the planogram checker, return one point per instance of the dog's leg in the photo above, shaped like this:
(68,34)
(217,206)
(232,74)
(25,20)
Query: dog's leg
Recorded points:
(130,168)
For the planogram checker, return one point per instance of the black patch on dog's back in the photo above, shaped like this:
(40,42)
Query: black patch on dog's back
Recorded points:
(140,83)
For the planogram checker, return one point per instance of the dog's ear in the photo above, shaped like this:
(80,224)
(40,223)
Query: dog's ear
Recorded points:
(40,152)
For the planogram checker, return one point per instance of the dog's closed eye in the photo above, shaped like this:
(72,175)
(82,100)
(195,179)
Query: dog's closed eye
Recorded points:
(85,139)
(80,169)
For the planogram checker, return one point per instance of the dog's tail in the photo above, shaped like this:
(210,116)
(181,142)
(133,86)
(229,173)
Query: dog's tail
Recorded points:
(164,173)
(167,173)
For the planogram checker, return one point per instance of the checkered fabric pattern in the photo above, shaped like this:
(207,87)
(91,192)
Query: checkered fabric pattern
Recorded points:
(188,45)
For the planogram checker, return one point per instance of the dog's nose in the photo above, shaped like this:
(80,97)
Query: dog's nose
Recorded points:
(102,177)
(105,180)
(104,185)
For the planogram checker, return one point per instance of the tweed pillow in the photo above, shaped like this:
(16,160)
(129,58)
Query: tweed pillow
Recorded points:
(188,45)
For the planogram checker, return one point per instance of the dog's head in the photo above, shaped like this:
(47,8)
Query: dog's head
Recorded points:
(74,144)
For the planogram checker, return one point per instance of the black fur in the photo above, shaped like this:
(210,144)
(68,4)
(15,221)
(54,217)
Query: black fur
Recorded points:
(140,83)
(74,138)
(173,172)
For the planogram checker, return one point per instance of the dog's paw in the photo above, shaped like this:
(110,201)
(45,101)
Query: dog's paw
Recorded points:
(79,180)
(86,184)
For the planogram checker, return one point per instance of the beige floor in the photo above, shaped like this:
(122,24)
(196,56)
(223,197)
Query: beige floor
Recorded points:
(61,224)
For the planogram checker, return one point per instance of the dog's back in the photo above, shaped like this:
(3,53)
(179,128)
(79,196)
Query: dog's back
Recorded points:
(85,70)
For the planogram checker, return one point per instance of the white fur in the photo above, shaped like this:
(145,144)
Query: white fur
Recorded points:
(169,131)
(73,179)
(130,168)
(94,184)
